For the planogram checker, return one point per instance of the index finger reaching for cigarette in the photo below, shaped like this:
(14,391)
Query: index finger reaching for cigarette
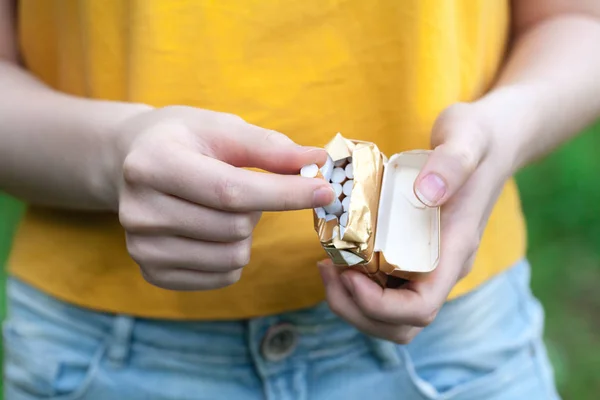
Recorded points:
(215,184)
(204,178)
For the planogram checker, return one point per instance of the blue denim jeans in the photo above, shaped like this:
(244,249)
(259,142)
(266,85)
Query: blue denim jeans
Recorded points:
(486,345)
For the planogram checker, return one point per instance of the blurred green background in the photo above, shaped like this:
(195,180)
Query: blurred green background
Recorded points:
(561,198)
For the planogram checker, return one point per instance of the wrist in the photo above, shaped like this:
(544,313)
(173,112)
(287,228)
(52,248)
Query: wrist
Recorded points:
(112,135)
(511,115)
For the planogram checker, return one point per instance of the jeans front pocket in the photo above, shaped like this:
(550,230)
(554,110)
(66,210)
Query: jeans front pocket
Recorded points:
(517,376)
(46,361)
(484,345)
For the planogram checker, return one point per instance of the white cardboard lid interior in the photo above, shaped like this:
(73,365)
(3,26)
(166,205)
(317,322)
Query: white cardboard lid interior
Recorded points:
(407,231)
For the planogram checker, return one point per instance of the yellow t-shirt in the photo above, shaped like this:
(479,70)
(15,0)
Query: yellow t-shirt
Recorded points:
(377,70)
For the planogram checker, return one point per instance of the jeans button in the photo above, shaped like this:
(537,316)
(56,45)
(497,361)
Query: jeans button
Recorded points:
(279,342)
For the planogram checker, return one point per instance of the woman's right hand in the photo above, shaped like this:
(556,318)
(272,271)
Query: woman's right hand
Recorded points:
(187,204)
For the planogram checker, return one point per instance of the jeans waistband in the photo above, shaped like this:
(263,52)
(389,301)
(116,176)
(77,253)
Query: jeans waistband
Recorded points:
(319,332)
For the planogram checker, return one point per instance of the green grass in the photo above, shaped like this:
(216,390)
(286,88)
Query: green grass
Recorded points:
(10,212)
(560,197)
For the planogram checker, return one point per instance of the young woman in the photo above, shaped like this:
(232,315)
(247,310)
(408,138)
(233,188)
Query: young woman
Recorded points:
(144,268)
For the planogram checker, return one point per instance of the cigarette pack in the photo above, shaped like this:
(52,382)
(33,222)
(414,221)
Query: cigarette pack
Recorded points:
(388,232)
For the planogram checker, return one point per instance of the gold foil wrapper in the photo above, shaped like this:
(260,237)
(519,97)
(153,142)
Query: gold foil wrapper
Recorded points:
(356,248)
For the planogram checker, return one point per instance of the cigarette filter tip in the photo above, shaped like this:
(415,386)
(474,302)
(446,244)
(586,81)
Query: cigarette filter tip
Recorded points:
(309,171)
(346,204)
(338,175)
(335,207)
(349,171)
(338,189)
(344,219)
(347,187)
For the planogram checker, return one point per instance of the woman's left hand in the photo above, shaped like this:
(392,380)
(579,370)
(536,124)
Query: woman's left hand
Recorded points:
(465,173)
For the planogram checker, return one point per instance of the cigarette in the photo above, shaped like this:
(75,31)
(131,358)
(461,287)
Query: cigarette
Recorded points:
(311,171)
(330,217)
(342,230)
(320,212)
(327,168)
(346,204)
(338,189)
(347,188)
(344,219)
(334,208)
(338,175)
(349,171)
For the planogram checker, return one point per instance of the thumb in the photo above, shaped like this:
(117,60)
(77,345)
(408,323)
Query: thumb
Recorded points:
(460,144)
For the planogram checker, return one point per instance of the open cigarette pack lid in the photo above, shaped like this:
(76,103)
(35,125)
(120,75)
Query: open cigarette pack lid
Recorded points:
(377,225)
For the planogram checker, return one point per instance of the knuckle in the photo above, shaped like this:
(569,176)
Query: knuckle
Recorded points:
(242,226)
(369,307)
(427,316)
(152,276)
(132,219)
(229,195)
(240,255)
(466,158)
(271,136)
(402,337)
(225,279)
(291,201)
(137,250)
(445,121)
(222,121)
(135,170)
(232,277)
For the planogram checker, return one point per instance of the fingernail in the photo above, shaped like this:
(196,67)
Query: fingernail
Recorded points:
(431,189)
(323,197)
(348,283)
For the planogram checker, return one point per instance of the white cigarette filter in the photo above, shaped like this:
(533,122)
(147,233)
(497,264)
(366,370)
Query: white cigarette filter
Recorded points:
(330,217)
(320,212)
(344,219)
(334,208)
(346,203)
(327,168)
(310,171)
(349,171)
(338,175)
(347,188)
(338,189)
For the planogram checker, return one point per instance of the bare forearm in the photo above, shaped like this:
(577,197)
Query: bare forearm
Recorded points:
(57,150)
(548,90)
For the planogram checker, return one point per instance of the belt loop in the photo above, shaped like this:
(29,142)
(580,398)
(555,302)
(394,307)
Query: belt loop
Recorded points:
(120,340)
(386,352)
